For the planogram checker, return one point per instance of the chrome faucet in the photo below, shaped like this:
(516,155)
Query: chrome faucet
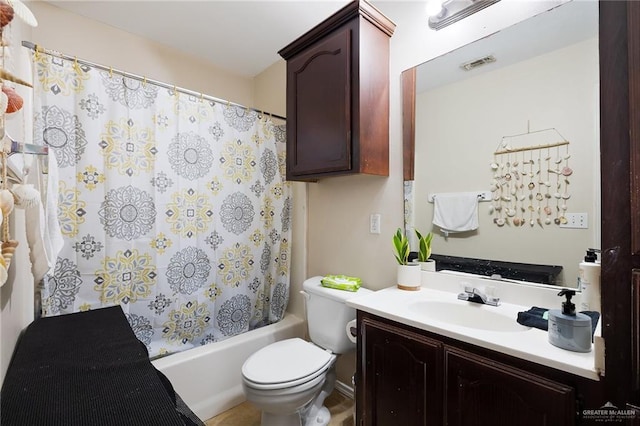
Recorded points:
(472,294)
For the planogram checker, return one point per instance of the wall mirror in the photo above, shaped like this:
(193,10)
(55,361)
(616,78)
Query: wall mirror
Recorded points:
(542,88)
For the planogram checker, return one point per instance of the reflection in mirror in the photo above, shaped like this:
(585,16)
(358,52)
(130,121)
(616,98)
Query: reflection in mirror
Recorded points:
(542,88)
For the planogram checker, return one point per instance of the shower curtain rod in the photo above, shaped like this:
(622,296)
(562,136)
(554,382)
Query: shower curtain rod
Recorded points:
(39,49)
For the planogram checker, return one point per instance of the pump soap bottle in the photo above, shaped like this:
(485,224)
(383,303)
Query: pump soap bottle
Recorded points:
(568,330)
(589,282)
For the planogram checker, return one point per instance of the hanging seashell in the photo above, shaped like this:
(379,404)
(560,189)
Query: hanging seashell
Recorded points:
(566,171)
(539,196)
(513,191)
(531,185)
(491,209)
(563,220)
(6,75)
(6,202)
(14,101)
(566,196)
(494,166)
(510,212)
(8,249)
(517,221)
(521,197)
(23,12)
(563,207)
(547,183)
(6,14)
(500,222)
(26,196)
(531,222)
(557,195)
(505,198)
(558,160)
(566,157)
(547,210)
(539,222)
(556,221)
(515,164)
(548,221)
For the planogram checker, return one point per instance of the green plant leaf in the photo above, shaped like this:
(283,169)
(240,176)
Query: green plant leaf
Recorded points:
(401,246)
(424,246)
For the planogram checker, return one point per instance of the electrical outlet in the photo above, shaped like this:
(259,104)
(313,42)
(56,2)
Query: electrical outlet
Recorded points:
(575,220)
(374,223)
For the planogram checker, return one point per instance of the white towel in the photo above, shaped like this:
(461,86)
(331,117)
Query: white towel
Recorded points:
(456,212)
(43,230)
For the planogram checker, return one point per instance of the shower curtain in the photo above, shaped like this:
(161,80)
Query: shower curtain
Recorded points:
(172,206)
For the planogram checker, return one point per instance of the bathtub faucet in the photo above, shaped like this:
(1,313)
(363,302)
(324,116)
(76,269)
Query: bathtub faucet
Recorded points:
(472,294)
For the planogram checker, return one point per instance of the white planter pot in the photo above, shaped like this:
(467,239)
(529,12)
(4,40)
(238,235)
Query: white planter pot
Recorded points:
(429,265)
(409,276)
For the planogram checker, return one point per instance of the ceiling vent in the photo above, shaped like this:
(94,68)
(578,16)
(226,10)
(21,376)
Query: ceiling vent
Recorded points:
(468,66)
(454,10)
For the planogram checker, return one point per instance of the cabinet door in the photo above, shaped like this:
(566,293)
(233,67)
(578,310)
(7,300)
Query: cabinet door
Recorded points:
(319,107)
(402,382)
(483,392)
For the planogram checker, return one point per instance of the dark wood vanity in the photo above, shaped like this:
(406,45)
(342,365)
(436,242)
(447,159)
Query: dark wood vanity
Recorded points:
(408,376)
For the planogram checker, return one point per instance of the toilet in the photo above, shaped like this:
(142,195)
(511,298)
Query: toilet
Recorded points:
(289,380)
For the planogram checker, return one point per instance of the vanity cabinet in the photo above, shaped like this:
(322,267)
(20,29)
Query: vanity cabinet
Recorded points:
(401,385)
(407,376)
(338,96)
(480,391)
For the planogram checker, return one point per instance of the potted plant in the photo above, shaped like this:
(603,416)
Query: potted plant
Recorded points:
(408,276)
(424,252)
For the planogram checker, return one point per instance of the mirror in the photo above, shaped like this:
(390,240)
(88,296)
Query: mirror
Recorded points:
(543,88)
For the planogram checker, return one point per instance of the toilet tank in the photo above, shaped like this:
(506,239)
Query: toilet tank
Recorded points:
(328,315)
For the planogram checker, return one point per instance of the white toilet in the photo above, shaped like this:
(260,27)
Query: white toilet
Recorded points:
(290,379)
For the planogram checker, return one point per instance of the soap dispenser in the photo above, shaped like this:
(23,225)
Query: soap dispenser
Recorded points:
(568,330)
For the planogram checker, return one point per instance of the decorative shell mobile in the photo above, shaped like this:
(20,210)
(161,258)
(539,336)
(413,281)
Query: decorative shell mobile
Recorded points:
(526,185)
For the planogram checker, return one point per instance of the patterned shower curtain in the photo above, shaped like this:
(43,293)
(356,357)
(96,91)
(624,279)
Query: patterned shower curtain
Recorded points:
(170,205)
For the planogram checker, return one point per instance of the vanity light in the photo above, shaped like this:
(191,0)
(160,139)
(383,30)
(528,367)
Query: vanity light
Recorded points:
(454,10)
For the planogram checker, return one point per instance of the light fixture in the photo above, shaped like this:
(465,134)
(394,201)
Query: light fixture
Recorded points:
(454,10)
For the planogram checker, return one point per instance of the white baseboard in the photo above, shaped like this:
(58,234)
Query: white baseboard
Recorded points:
(344,389)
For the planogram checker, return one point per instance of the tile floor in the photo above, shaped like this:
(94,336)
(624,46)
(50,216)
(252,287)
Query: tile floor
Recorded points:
(340,406)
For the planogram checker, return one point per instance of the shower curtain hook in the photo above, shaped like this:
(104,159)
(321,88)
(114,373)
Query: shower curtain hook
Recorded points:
(144,81)
(110,72)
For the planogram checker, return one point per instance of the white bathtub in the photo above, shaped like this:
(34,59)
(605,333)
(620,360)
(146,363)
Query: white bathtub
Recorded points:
(208,378)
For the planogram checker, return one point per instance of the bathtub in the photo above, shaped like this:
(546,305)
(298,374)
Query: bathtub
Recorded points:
(208,378)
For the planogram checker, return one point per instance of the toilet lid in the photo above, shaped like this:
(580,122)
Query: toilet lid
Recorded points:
(285,361)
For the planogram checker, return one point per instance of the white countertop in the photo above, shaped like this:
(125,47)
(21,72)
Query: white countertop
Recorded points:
(530,344)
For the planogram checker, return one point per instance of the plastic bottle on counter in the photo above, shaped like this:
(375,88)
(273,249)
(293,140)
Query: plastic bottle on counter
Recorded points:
(589,282)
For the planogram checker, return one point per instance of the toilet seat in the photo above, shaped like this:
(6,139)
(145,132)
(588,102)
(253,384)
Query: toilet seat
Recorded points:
(286,363)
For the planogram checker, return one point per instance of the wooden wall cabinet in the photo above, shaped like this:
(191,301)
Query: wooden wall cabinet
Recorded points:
(410,377)
(338,96)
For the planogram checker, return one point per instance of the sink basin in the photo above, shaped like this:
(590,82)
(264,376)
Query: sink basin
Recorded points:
(466,314)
